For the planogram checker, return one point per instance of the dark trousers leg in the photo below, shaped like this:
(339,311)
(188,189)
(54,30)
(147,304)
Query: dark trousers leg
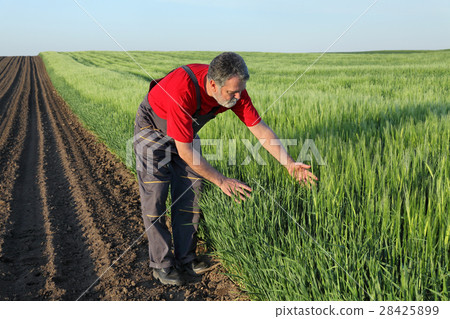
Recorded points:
(186,190)
(154,178)
(153,193)
(158,165)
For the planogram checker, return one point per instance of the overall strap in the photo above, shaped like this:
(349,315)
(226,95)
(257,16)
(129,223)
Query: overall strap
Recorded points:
(197,87)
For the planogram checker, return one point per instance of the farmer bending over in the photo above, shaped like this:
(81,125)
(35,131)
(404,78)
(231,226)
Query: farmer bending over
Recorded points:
(168,153)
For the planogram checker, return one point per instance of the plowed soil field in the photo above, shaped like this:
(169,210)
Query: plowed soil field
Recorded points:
(70,221)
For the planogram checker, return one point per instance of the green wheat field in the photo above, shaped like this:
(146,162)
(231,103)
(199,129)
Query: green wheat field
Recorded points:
(377,225)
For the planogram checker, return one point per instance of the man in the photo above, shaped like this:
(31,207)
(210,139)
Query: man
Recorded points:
(168,153)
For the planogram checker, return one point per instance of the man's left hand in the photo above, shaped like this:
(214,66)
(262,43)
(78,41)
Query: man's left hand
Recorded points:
(300,172)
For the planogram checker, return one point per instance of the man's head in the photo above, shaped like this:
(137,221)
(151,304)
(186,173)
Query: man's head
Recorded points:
(227,76)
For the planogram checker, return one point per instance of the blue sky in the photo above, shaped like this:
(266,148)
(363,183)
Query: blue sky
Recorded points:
(29,27)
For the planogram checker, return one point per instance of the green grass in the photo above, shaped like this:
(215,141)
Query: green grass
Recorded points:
(376,227)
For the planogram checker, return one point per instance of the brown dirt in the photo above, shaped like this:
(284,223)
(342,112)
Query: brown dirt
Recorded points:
(68,208)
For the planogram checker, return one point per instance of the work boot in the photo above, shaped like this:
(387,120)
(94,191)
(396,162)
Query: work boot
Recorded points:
(195,268)
(168,276)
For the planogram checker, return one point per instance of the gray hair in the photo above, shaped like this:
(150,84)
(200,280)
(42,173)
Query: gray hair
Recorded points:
(227,65)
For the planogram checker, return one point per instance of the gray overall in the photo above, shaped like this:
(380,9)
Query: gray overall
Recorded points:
(158,165)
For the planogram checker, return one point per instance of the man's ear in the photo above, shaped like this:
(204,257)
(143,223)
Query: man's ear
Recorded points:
(213,85)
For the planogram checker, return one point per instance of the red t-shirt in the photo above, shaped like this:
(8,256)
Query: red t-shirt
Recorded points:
(177,91)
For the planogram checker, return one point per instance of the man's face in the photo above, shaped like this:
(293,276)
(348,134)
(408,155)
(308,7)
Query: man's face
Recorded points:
(230,93)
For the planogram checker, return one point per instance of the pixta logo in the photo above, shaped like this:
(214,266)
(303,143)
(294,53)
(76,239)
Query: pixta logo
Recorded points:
(155,150)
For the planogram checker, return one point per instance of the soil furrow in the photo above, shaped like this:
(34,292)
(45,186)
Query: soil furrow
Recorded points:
(82,187)
(50,290)
(74,265)
(26,254)
(8,109)
(111,214)
(112,186)
(13,73)
(5,65)
(9,159)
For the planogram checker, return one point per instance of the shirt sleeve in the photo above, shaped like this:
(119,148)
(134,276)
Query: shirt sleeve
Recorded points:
(245,110)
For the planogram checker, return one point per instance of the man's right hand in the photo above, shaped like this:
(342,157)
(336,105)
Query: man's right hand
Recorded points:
(228,185)
(234,187)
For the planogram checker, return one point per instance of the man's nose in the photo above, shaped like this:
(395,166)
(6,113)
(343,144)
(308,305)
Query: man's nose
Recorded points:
(237,95)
